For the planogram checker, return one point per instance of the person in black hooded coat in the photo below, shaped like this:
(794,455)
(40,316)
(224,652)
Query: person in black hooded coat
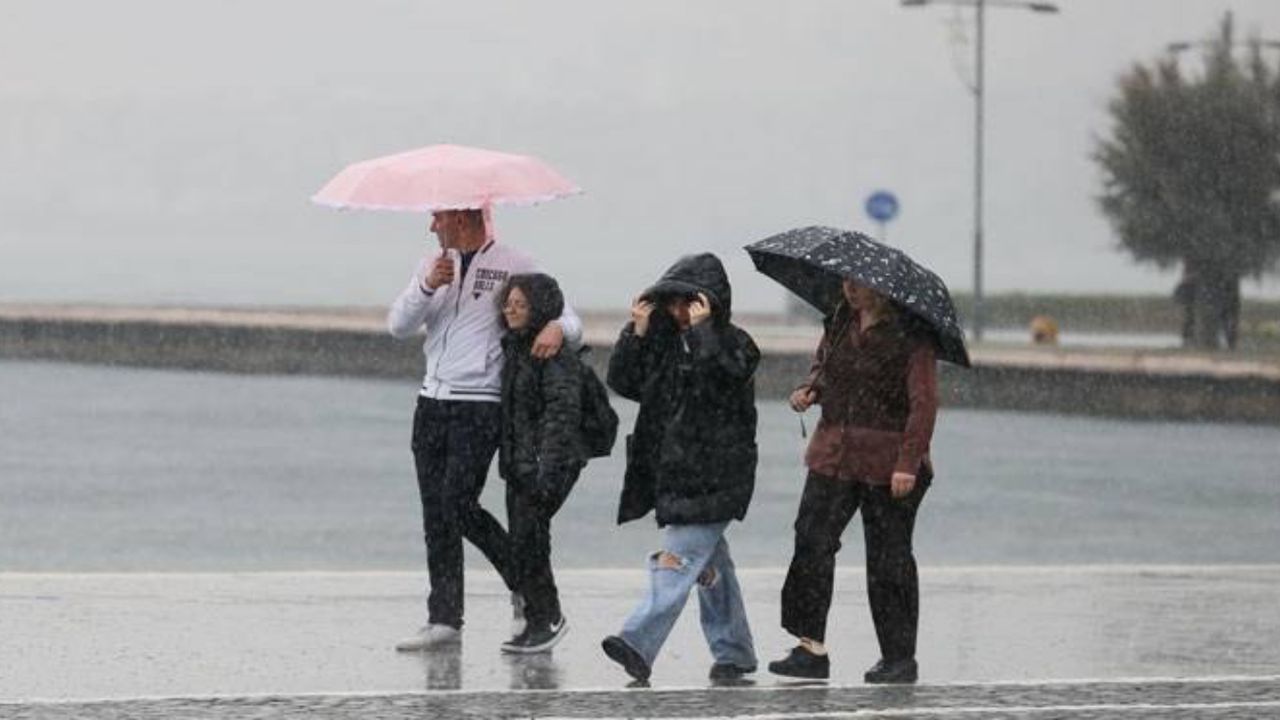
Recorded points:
(691,458)
(541,451)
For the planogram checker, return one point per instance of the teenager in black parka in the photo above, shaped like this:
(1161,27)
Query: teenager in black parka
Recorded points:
(691,459)
(541,452)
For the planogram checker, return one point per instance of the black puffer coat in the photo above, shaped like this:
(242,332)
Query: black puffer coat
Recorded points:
(692,456)
(541,401)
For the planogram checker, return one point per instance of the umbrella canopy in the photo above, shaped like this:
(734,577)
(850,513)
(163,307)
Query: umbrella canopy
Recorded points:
(811,262)
(444,177)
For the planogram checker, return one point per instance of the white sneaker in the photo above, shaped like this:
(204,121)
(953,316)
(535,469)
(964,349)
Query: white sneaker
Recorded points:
(430,637)
(518,623)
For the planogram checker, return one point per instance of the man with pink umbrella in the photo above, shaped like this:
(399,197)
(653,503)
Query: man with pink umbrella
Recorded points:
(456,425)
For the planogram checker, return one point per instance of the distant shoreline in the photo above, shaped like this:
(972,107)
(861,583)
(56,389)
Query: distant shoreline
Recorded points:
(1129,382)
(1083,313)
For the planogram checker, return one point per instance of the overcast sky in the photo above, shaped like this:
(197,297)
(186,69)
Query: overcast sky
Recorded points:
(163,151)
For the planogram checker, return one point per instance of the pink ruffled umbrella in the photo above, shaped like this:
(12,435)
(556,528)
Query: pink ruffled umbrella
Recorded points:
(445,177)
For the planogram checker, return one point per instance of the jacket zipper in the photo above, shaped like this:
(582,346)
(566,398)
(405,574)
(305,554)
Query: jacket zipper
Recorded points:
(444,339)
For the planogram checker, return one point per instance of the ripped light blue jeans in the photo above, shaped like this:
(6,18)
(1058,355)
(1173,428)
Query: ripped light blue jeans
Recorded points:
(702,561)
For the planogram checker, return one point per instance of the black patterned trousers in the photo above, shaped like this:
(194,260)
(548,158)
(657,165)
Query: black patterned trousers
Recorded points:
(893,590)
(453,445)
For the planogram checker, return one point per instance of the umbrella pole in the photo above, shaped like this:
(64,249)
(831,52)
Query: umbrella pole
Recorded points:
(823,367)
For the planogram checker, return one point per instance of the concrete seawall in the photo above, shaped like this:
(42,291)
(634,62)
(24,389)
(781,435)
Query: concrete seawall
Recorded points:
(1124,383)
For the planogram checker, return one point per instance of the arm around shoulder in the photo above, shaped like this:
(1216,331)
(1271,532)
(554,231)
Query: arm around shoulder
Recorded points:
(571,326)
(570,323)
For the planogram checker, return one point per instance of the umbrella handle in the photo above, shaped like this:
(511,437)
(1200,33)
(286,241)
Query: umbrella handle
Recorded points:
(835,342)
(490,232)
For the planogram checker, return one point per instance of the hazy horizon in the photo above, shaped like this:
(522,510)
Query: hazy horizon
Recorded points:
(164,153)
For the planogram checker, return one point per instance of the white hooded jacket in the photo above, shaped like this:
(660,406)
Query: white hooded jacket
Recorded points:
(463,347)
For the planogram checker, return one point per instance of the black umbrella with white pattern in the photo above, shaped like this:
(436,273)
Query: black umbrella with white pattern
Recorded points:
(811,262)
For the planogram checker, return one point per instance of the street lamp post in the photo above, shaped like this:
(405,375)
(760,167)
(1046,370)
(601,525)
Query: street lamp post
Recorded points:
(1177,48)
(978,89)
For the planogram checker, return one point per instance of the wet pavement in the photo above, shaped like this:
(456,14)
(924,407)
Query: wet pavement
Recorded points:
(1229,698)
(1076,642)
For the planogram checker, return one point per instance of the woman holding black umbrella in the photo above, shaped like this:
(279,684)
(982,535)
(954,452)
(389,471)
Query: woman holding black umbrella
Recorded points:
(875,377)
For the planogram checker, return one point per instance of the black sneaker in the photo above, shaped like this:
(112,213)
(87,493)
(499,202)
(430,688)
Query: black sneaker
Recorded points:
(537,638)
(730,671)
(515,642)
(801,663)
(620,652)
(892,671)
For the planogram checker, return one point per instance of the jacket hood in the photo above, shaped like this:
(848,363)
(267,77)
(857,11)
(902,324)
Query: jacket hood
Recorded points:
(693,274)
(546,302)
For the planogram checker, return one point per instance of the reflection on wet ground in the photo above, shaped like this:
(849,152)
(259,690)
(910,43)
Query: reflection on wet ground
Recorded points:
(995,642)
(442,670)
(1225,698)
(534,672)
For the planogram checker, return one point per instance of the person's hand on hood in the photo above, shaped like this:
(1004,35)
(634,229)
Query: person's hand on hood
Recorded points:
(699,309)
(641,309)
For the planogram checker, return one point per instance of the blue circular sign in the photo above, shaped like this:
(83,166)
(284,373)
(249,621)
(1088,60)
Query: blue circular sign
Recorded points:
(882,206)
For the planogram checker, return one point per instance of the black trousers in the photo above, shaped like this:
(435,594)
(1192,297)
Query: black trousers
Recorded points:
(453,444)
(529,514)
(893,590)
